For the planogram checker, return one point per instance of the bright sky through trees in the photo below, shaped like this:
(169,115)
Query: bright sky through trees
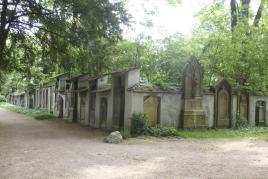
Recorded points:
(167,19)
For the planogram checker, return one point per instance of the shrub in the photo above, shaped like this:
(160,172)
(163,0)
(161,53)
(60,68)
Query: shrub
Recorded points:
(161,131)
(125,134)
(2,98)
(36,114)
(139,127)
(44,116)
(138,123)
(241,122)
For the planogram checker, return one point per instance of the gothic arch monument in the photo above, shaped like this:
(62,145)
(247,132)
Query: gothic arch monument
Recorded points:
(193,113)
(223,104)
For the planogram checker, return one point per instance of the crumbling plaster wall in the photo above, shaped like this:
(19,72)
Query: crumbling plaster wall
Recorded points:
(109,121)
(170,107)
(208,107)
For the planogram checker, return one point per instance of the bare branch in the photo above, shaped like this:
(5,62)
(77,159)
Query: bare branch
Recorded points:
(30,25)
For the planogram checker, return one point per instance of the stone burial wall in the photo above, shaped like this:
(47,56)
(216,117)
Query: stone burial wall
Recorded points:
(109,101)
(193,106)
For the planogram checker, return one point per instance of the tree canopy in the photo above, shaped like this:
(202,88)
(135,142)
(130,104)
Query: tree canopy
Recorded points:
(58,35)
(234,41)
(45,37)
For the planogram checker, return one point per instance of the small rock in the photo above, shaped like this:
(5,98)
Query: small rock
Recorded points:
(114,138)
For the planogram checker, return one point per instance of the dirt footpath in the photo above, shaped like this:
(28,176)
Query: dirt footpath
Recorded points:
(55,149)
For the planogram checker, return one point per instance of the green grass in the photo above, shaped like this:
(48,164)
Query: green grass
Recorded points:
(243,133)
(34,113)
(249,133)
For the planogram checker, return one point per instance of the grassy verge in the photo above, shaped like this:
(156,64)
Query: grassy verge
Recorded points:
(243,133)
(36,114)
(247,133)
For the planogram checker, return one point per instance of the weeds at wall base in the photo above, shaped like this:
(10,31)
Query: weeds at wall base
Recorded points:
(159,131)
(241,130)
(34,113)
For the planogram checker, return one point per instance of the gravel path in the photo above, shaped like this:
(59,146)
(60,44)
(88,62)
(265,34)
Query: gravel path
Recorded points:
(55,149)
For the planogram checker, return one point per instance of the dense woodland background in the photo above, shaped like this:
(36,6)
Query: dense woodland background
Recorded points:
(42,38)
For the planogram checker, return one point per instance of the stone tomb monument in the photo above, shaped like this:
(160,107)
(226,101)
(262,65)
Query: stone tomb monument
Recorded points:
(223,99)
(193,113)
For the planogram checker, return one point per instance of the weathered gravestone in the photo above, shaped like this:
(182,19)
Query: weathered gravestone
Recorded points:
(114,138)
(223,98)
(193,113)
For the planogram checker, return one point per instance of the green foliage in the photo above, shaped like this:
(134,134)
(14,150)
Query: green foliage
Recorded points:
(173,54)
(174,2)
(249,133)
(59,36)
(130,54)
(239,133)
(161,131)
(84,36)
(36,114)
(138,123)
(240,55)
(160,61)
(43,115)
(241,122)
(125,134)
(139,127)
(2,98)
(242,130)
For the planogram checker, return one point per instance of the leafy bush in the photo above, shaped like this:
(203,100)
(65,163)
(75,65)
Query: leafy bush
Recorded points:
(161,131)
(41,116)
(125,134)
(36,114)
(2,98)
(138,123)
(241,122)
(139,127)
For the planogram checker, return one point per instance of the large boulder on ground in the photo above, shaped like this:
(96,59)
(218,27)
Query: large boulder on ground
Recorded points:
(114,138)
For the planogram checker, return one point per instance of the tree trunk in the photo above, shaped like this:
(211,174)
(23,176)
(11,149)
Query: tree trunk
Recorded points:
(233,5)
(3,30)
(245,9)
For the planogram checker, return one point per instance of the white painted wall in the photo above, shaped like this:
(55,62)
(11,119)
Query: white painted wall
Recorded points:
(208,107)
(133,77)
(234,110)
(171,105)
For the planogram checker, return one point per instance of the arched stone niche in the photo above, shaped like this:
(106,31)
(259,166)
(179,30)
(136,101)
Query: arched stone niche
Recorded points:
(151,106)
(193,114)
(223,99)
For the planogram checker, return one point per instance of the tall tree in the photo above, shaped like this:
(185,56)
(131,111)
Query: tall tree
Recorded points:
(234,48)
(59,31)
